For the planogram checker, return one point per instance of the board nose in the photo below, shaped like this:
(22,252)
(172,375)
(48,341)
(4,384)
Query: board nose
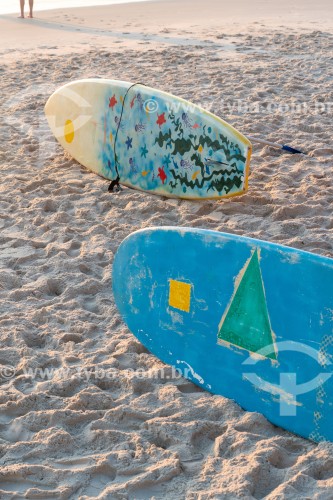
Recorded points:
(67,111)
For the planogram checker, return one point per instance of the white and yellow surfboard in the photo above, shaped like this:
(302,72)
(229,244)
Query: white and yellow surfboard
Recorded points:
(150,140)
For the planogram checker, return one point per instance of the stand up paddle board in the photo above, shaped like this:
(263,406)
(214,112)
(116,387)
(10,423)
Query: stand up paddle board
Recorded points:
(149,140)
(242,318)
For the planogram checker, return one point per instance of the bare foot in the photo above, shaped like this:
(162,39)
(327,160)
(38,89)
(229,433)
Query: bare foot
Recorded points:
(21,17)
(30,16)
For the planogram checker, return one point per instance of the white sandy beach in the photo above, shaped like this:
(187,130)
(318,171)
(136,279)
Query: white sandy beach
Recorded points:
(76,434)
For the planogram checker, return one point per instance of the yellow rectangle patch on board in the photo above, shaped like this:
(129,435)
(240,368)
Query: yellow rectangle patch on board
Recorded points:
(180,295)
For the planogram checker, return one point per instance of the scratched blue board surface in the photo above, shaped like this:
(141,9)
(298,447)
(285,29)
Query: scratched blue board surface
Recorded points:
(176,289)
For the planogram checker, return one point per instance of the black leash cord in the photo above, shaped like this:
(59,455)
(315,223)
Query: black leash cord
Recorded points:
(114,186)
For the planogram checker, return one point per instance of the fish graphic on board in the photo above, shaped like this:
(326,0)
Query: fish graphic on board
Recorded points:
(140,127)
(186,120)
(187,165)
(133,166)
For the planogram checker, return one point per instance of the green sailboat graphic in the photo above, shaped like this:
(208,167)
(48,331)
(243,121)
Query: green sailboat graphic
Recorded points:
(246,322)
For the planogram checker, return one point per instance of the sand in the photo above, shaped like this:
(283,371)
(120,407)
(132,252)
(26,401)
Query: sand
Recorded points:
(67,430)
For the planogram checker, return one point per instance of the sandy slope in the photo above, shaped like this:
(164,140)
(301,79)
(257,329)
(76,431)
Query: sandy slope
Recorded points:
(134,24)
(79,434)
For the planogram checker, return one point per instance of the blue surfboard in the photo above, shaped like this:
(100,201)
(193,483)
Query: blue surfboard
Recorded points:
(246,319)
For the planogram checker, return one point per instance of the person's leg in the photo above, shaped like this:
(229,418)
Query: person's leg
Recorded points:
(22,8)
(31,4)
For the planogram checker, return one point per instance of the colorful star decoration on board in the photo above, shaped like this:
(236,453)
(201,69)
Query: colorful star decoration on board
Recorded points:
(161,119)
(144,151)
(112,101)
(129,143)
(167,160)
